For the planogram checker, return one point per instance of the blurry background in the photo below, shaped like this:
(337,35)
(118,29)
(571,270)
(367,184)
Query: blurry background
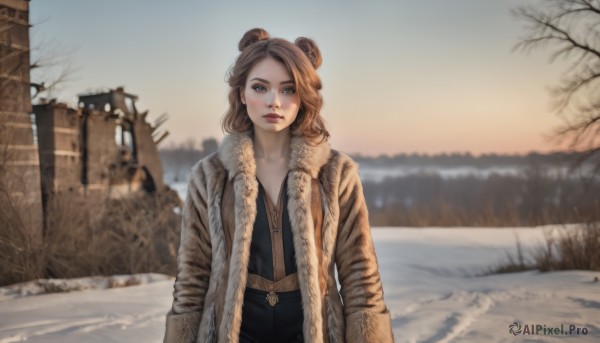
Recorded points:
(450,127)
(447,121)
(399,76)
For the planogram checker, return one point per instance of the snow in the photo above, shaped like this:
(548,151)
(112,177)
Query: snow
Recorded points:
(434,294)
(432,282)
(68,285)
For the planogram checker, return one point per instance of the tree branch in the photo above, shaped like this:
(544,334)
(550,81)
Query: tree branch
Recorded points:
(544,24)
(570,29)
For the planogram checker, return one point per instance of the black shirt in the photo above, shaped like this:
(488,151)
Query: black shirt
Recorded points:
(261,254)
(261,322)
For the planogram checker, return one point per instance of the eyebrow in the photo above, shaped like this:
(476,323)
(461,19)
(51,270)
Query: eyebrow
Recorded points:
(265,81)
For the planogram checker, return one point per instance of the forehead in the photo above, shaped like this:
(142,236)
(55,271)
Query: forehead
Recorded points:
(271,70)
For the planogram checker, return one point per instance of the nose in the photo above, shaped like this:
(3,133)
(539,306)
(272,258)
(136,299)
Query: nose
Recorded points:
(273,100)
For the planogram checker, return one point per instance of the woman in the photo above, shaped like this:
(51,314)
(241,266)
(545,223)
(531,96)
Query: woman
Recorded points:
(269,216)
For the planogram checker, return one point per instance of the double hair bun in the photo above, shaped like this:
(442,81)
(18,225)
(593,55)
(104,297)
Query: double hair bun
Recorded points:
(253,36)
(307,45)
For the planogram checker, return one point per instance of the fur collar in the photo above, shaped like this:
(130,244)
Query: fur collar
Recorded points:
(237,154)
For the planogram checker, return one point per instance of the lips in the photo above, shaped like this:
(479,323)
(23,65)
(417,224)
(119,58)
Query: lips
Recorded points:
(273,115)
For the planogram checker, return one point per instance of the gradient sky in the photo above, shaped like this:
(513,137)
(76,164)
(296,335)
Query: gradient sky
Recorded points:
(399,76)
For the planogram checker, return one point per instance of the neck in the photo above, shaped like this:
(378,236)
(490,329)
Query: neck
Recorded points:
(272,146)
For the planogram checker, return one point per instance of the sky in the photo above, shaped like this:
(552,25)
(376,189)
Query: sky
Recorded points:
(402,76)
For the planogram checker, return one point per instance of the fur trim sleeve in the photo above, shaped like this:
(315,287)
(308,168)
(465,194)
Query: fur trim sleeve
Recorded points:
(193,263)
(367,317)
(182,327)
(366,327)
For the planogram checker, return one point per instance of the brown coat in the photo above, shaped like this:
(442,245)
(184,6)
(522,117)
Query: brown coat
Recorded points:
(215,245)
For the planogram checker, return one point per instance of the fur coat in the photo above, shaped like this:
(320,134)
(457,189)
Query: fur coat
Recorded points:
(211,278)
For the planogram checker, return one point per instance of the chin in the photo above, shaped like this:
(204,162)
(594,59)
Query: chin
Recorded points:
(272,128)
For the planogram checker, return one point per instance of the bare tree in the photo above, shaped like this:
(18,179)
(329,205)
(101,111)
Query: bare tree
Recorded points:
(571,30)
(51,67)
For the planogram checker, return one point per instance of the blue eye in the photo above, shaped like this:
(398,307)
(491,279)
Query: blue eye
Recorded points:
(259,88)
(289,90)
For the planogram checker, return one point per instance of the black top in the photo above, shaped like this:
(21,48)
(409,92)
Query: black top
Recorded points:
(261,253)
(261,322)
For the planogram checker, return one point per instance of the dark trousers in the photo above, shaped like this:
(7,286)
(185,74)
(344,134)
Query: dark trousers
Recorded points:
(263,323)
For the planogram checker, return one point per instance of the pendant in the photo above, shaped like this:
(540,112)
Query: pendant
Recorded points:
(272,298)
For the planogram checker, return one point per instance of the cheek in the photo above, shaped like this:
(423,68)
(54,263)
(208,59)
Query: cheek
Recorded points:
(293,104)
(253,99)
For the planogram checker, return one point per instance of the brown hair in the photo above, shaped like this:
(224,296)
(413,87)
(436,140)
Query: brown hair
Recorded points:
(301,59)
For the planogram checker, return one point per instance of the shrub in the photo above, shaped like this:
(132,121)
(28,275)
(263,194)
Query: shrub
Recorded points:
(83,237)
(572,248)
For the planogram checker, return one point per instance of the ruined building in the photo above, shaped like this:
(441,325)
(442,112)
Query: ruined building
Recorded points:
(103,148)
(61,168)
(20,200)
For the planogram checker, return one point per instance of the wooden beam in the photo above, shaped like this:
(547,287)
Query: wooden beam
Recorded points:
(20,5)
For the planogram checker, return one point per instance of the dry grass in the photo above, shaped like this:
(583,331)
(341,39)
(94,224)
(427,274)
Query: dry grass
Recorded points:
(137,234)
(20,244)
(80,236)
(20,228)
(143,230)
(573,248)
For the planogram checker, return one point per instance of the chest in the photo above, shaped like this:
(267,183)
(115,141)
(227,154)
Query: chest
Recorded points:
(271,176)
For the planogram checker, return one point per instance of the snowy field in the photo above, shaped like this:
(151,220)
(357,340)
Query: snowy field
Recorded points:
(431,285)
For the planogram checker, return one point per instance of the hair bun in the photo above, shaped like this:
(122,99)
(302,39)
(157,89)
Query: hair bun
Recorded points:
(311,50)
(252,36)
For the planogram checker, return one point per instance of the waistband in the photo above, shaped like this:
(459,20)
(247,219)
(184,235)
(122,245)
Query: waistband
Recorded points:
(287,284)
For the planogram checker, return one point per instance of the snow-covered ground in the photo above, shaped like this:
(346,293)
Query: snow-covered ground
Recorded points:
(431,285)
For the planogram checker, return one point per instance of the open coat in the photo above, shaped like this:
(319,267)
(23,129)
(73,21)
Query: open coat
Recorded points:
(212,264)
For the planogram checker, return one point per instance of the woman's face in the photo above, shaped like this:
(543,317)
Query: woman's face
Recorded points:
(270,96)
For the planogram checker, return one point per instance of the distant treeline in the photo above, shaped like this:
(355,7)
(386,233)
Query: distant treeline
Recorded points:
(535,196)
(189,152)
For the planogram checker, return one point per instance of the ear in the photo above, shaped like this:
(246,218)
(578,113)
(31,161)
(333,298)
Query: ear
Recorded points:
(242,96)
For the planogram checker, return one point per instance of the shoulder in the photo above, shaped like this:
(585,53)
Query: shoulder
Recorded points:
(341,160)
(208,163)
(205,171)
(339,167)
